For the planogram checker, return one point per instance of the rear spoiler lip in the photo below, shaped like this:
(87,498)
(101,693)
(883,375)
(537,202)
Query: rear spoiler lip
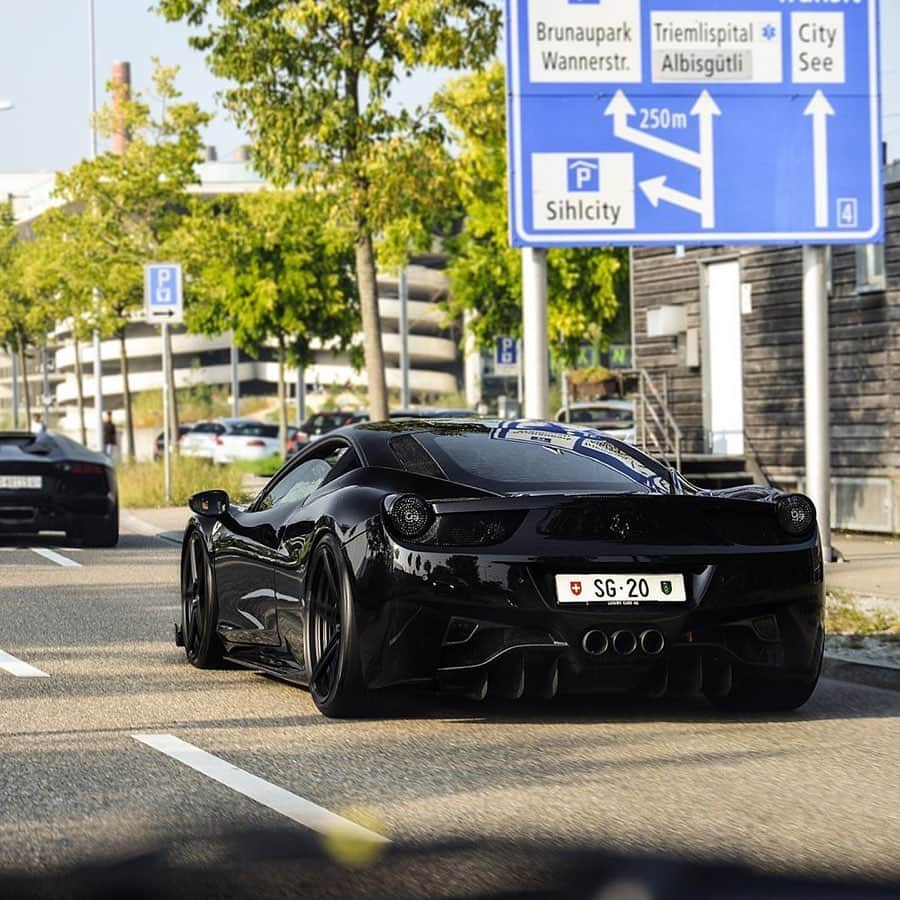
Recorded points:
(554,500)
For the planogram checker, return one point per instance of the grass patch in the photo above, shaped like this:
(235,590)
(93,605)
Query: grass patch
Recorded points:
(846,617)
(142,485)
(265,468)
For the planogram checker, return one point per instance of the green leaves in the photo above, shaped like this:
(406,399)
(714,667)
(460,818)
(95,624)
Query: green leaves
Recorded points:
(485,272)
(267,266)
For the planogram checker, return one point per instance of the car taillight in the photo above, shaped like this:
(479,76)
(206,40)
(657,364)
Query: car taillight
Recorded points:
(796,514)
(256,443)
(219,441)
(410,516)
(82,469)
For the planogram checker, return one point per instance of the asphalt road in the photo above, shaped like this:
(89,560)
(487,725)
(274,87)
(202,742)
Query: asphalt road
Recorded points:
(816,791)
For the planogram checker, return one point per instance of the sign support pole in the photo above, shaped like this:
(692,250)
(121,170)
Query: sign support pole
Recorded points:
(98,387)
(301,395)
(167,459)
(235,382)
(403,291)
(14,357)
(816,390)
(534,333)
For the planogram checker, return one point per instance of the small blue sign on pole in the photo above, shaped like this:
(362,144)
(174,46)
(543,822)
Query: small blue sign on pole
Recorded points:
(693,121)
(163,297)
(506,356)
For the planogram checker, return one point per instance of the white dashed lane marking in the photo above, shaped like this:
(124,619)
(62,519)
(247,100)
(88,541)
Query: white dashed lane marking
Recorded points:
(15,666)
(55,557)
(294,807)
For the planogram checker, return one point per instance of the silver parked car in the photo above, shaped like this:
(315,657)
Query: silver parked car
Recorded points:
(201,439)
(615,417)
(252,440)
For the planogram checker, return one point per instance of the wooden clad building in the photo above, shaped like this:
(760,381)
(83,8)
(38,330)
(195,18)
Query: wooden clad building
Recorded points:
(720,328)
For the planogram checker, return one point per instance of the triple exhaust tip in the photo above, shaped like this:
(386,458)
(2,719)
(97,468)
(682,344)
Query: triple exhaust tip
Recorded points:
(651,641)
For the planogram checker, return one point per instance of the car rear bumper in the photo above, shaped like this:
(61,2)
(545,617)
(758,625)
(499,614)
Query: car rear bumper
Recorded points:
(29,515)
(455,618)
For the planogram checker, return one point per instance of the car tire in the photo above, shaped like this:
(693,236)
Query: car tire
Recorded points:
(102,533)
(772,693)
(199,605)
(332,644)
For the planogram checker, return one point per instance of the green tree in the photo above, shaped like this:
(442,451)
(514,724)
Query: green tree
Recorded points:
(27,310)
(269,267)
(585,285)
(312,81)
(127,206)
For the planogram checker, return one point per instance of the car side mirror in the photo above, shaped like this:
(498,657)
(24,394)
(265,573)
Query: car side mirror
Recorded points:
(209,503)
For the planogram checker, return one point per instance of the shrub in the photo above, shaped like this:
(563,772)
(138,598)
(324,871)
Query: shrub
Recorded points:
(142,485)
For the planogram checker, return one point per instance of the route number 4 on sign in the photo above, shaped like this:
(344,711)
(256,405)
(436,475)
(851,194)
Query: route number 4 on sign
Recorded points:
(693,121)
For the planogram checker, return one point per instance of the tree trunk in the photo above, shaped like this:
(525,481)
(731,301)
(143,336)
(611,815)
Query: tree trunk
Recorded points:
(367,284)
(79,389)
(173,397)
(126,398)
(282,401)
(26,392)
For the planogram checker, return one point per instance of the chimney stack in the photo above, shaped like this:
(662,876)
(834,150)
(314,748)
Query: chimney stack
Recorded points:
(121,79)
(242,153)
(212,154)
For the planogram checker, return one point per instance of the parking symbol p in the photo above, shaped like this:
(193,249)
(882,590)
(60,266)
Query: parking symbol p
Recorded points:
(583,175)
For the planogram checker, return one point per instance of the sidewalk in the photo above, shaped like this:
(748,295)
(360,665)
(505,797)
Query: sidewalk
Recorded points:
(871,567)
(168,523)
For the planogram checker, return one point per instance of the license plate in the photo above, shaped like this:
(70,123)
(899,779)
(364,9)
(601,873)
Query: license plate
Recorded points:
(620,590)
(19,482)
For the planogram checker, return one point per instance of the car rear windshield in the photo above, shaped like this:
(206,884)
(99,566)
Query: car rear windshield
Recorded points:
(494,461)
(208,428)
(603,415)
(266,431)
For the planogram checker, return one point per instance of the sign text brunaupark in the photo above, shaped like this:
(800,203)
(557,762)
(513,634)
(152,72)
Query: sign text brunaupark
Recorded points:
(693,121)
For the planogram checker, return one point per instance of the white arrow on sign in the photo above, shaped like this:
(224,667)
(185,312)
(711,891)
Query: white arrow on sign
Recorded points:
(706,109)
(820,109)
(620,109)
(656,189)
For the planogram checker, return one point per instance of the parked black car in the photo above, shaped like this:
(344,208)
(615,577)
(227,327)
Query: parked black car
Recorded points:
(51,483)
(183,429)
(510,558)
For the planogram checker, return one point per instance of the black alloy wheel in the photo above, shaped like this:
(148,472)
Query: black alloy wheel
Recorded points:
(335,679)
(199,610)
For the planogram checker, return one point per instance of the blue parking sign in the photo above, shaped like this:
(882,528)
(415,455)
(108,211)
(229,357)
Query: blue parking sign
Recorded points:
(162,292)
(506,356)
(693,121)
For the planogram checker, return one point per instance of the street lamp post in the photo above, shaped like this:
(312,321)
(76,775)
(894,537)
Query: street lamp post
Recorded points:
(98,354)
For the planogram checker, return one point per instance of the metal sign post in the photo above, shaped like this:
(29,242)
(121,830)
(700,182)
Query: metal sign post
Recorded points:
(815,390)
(693,122)
(164,305)
(403,293)
(535,353)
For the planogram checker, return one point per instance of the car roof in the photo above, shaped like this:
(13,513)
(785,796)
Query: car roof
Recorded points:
(602,404)
(372,439)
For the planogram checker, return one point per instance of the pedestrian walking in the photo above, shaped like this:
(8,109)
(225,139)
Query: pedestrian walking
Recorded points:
(109,435)
(38,425)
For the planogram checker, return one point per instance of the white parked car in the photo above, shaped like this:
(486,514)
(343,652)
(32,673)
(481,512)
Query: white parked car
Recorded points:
(252,440)
(201,439)
(615,417)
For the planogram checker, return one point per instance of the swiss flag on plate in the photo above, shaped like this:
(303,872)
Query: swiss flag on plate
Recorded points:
(575,587)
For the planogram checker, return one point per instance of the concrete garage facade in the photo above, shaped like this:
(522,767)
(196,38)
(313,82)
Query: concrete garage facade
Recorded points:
(721,327)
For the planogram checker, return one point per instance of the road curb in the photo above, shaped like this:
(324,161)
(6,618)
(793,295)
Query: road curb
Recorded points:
(885,677)
(141,526)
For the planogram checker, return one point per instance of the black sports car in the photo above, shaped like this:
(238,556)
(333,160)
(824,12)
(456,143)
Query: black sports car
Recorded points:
(50,483)
(506,558)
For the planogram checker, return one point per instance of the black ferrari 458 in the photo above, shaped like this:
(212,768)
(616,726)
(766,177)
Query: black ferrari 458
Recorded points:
(504,558)
(51,483)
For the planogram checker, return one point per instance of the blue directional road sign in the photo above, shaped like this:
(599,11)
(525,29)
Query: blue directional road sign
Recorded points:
(162,292)
(506,356)
(693,121)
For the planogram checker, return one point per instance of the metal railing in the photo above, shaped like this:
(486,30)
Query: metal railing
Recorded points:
(657,431)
